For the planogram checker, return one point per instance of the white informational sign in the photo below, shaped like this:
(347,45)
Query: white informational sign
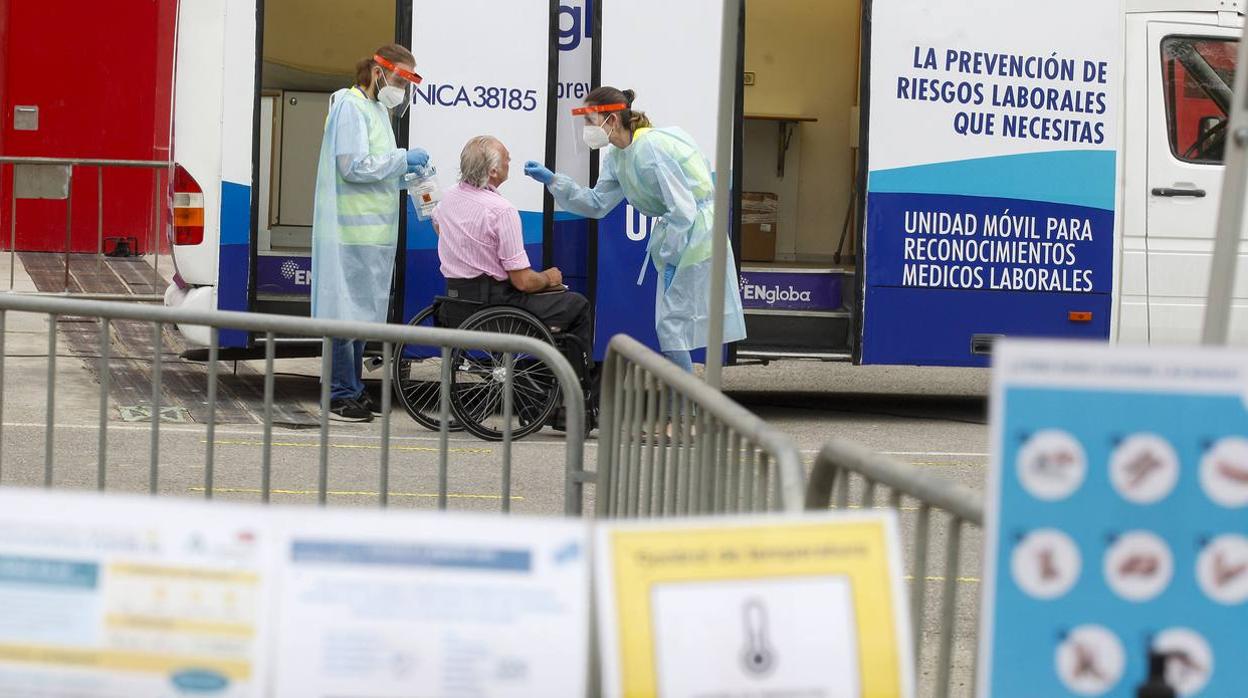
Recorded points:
(1116,520)
(776,606)
(953,82)
(459,99)
(110,597)
(439,606)
(992,185)
(107,597)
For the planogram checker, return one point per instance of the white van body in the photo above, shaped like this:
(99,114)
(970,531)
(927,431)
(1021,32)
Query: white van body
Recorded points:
(1166,243)
(1162,245)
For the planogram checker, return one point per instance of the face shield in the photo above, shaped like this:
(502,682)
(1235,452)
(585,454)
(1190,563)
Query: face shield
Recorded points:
(592,126)
(397,90)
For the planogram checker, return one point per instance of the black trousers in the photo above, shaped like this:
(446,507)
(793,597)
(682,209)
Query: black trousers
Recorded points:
(563,312)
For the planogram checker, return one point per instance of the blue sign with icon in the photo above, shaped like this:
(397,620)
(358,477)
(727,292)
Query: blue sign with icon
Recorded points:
(1117,521)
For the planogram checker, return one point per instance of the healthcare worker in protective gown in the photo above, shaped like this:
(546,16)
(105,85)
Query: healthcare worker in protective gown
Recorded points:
(663,175)
(355,229)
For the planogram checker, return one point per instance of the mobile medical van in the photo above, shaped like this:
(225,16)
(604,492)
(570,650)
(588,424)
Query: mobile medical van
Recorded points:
(917,177)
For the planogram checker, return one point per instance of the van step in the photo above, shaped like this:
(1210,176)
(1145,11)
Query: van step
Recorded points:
(778,335)
(844,314)
(768,355)
(797,268)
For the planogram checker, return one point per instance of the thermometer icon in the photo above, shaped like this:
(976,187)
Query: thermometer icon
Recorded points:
(758,657)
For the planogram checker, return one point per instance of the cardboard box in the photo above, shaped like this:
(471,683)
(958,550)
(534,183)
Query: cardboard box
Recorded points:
(759,213)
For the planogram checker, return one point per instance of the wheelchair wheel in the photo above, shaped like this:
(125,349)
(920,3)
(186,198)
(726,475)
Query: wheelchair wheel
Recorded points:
(417,376)
(477,379)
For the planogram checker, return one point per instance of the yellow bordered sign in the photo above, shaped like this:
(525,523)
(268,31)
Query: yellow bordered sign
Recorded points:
(812,604)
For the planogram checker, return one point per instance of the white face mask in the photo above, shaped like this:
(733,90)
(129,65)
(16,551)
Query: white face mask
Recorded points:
(391,96)
(595,137)
(388,95)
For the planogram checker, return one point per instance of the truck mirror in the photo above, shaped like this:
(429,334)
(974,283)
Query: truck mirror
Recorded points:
(1209,123)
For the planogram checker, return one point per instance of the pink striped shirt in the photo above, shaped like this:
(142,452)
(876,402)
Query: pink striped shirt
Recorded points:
(479,233)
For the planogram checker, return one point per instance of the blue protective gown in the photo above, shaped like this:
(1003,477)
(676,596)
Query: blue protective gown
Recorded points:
(355,230)
(664,176)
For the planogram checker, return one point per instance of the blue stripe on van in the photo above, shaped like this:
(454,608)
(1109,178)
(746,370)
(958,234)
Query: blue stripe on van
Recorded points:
(1073,177)
(234,262)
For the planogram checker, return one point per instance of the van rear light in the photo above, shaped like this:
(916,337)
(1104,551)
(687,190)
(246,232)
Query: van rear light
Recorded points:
(188,208)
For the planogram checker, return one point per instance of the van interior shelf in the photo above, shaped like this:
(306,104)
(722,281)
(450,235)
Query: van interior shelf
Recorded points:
(786,123)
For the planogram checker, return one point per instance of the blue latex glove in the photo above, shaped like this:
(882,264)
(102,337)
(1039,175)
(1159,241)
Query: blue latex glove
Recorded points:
(538,172)
(417,158)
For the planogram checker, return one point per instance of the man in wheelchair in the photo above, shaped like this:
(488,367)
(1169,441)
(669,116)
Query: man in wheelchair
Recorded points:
(481,250)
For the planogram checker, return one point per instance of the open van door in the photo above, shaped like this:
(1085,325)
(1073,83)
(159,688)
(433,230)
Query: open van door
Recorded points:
(1190,74)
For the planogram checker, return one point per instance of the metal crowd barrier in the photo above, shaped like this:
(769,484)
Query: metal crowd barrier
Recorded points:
(669,445)
(271,327)
(848,476)
(53,179)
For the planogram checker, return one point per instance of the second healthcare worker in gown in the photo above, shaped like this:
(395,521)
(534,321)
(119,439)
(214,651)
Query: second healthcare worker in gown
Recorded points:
(663,175)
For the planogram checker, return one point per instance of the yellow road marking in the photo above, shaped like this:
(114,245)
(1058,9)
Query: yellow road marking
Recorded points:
(960,580)
(859,506)
(926,464)
(355,447)
(348,493)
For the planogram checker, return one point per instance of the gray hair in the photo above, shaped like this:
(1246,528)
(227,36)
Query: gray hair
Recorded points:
(480,155)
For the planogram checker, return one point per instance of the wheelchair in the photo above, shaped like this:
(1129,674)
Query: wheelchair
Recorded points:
(477,376)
